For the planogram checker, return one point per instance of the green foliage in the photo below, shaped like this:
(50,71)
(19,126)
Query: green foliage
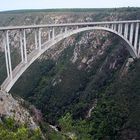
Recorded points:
(107,119)
(57,136)
(82,129)
(66,123)
(10,130)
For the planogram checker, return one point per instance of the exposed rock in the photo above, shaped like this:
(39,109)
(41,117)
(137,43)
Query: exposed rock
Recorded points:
(91,109)
(84,60)
(9,107)
(56,81)
(125,68)
(75,56)
(130,60)
(37,114)
(54,128)
(112,65)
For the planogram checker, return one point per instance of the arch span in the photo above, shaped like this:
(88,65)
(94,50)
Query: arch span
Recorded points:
(21,67)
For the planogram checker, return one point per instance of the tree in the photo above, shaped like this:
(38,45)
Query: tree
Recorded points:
(66,122)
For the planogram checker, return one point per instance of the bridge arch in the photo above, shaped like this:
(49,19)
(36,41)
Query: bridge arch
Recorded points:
(21,67)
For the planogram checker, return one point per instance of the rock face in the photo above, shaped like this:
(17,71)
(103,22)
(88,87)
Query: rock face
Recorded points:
(9,107)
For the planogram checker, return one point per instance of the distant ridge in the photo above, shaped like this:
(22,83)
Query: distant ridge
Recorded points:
(66,10)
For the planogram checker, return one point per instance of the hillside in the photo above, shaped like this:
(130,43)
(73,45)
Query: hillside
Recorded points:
(87,85)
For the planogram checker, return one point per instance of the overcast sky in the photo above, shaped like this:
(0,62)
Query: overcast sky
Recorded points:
(47,4)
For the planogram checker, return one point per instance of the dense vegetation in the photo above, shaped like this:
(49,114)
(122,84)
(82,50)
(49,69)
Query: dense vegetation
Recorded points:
(11,130)
(116,115)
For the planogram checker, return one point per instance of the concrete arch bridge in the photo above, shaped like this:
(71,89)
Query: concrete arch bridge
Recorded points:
(129,31)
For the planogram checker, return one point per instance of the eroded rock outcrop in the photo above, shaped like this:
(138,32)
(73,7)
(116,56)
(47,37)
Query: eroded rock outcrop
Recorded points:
(9,107)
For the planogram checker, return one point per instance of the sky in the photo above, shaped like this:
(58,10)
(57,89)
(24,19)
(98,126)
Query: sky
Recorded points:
(49,4)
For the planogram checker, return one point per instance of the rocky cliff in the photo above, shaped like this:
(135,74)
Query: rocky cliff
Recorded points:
(12,108)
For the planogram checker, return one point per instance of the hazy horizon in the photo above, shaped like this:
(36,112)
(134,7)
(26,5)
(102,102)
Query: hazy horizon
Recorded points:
(62,4)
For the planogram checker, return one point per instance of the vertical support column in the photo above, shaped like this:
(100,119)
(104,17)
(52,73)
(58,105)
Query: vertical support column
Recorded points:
(24,45)
(139,48)
(126,30)
(114,27)
(36,42)
(61,30)
(53,34)
(131,33)
(49,35)
(136,36)
(21,46)
(120,28)
(66,29)
(6,54)
(39,38)
(9,55)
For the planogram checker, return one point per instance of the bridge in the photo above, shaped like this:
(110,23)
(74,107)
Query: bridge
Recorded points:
(128,31)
